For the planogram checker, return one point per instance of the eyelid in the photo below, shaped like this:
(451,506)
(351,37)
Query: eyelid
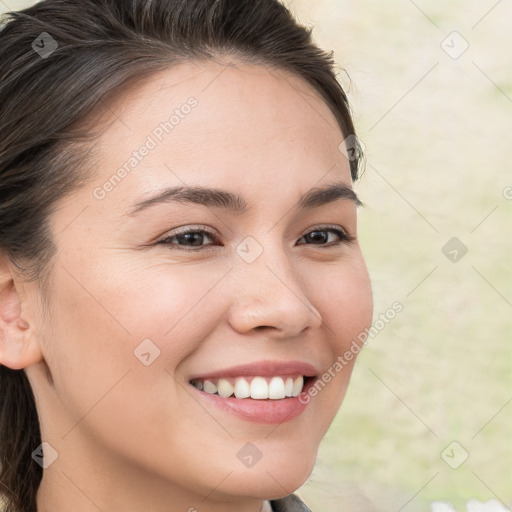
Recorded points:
(327,227)
(193,228)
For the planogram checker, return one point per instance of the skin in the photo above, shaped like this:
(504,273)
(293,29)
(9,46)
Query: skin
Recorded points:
(130,436)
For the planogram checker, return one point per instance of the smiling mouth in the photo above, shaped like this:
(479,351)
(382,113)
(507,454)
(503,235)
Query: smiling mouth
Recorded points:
(256,388)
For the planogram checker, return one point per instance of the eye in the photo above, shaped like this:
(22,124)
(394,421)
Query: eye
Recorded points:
(320,236)
(191,237)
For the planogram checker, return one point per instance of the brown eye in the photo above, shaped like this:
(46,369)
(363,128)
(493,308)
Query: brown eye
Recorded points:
(187,238)
(320,236)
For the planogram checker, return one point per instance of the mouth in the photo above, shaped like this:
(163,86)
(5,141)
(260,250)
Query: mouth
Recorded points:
(256,388)
(267,392)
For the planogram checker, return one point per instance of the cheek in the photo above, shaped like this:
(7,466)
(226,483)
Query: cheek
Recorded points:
(176,306)
(345,302)
(100,320)
(165,302)
(165,290)
(102,315)
(342,294)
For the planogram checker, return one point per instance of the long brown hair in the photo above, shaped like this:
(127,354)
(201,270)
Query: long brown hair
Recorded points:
(60,61)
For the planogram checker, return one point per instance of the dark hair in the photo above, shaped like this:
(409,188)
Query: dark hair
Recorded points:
(60,62)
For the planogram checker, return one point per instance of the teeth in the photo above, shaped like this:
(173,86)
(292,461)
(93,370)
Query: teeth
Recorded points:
(276,388)
(259,388)
(298,383)
(224,388)
(209,387)
(242,388)
(288,388)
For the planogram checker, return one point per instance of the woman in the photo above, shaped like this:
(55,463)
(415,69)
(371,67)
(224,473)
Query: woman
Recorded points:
(179,270)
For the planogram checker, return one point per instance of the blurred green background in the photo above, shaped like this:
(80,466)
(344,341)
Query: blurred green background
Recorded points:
(431,89)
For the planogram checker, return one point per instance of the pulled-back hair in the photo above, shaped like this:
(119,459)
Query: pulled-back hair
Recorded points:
(61,61)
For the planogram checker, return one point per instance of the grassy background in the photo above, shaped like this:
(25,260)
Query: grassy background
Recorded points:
(437,135)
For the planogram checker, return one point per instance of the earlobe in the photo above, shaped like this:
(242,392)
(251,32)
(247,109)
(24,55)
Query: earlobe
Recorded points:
(18,347)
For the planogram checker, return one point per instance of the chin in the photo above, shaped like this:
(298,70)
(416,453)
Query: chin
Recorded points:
(278,476)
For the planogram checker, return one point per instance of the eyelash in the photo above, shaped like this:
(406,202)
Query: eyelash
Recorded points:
(345,238)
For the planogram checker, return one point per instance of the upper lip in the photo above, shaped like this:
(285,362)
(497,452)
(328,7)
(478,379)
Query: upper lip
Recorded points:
(263,369)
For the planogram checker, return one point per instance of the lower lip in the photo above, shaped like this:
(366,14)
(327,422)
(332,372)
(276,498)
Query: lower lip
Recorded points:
(267,411)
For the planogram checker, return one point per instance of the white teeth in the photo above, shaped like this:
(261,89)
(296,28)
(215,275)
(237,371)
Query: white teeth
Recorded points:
(298,383)
(276,388)
(242,388)
(288,388)
(209,387)
(259,388)
(224,388)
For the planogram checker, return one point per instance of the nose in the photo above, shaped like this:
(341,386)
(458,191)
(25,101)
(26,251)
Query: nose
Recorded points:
(270,296)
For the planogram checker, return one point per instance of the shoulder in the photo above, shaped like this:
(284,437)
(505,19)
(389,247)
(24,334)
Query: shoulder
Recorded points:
(291,503)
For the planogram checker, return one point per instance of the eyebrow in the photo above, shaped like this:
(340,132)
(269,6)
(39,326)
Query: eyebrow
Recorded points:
(218,198)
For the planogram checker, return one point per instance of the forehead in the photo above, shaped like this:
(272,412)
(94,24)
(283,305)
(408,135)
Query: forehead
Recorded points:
(211,123)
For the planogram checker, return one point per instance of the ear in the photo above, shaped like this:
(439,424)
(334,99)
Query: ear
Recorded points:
(19,348)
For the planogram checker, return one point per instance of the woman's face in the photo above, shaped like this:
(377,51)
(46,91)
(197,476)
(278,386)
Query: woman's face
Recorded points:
(269,289)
